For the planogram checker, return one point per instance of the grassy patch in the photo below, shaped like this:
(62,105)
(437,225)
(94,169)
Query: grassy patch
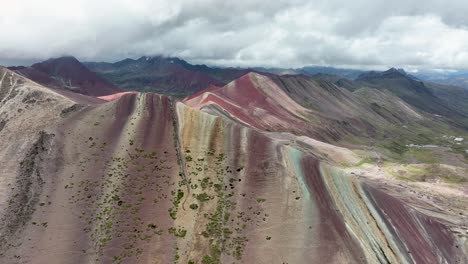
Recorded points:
(431,172)
(446,175)
(367,160)
(460,149)
(423,155)
(208,260)
(396,147)
(408,173)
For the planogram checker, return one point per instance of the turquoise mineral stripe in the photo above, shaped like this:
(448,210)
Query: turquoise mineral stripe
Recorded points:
(383,227)
(295,156)
(356,215)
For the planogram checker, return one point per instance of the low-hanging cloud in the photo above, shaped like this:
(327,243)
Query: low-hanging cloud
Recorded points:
(360,34)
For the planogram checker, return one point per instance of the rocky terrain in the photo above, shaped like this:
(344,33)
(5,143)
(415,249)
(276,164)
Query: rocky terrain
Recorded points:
(264,169)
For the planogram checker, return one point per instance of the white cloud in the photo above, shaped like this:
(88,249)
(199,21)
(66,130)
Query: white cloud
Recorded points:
(361,33)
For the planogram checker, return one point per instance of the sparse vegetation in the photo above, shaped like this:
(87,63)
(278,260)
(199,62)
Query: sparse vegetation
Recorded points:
(119,195)
(178,232)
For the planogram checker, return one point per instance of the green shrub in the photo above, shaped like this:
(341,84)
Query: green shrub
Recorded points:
(203,197)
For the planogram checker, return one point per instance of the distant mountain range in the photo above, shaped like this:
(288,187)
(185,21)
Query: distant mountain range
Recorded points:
(171,76)
(456,78)
(176,77)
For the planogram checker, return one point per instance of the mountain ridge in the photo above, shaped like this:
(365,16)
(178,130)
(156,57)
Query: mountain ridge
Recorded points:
(164,75)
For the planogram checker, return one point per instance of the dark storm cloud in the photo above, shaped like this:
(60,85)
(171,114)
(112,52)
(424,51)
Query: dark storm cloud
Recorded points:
(360,33)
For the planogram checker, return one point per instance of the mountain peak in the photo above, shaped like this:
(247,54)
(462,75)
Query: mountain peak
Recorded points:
(64,59)
(392,73)
(395,72)
(161,58)
(68,73)
(58,63)
(149,58)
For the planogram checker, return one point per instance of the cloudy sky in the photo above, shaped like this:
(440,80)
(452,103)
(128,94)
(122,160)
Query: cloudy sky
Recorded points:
(418,34)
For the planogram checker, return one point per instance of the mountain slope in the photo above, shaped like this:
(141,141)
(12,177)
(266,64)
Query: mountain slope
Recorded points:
(67,73)
(146,179)
(413,92)
(452,95)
